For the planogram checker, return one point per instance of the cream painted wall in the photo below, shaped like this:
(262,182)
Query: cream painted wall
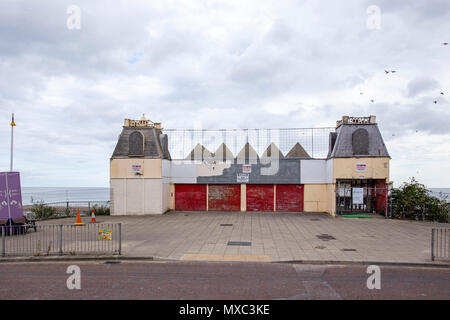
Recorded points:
(243,197)
(139,196)
(316,198)
(331,192)
(345,168)
(122,168)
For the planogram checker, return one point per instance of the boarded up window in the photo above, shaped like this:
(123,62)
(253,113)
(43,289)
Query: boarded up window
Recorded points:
(136,144)
(360,141)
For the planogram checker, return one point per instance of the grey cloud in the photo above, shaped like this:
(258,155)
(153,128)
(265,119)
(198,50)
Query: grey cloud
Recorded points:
(420,85)
(71,90)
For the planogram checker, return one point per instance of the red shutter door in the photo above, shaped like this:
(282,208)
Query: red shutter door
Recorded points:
(381,192)
(224,197)
(190,197)
(290,197)
(259,197)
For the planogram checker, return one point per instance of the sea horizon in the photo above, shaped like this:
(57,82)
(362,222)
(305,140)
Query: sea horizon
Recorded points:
(61,194)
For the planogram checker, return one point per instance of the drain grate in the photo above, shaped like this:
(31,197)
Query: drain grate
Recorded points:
(112,262)
(353,250)
(239,243)
(226,224)
(314,219)
(325,237)
(320,247)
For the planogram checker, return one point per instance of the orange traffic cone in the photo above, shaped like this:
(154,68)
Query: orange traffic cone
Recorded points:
(93,217)
(78,223)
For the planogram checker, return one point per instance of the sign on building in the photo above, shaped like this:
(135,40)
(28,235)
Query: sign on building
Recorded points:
(246,168)
(136,168)
(361,167)
(358,195)
(242,178)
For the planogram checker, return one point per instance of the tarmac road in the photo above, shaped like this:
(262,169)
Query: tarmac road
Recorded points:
(218,280)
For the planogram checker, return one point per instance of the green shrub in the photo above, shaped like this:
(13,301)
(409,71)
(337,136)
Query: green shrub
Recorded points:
(101,210)
(42,211)
(413,201)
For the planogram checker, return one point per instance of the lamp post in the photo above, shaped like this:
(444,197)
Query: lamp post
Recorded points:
(13,124)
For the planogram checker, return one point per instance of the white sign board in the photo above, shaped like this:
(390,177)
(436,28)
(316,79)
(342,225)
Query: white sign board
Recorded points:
(246,168)
(242,178)
(361,167)
(358,195)
(136,168)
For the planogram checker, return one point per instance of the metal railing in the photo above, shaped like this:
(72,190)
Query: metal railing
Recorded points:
(59,239)
(440,244)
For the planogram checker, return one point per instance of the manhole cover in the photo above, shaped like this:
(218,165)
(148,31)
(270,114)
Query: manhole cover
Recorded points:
(349,250)
(320,247)
(325,237)
(315,219)
(226,224)
(239,243)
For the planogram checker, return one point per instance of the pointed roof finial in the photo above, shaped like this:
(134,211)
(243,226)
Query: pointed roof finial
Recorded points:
(143,117)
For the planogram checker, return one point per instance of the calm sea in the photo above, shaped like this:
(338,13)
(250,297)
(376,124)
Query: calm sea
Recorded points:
(49,194)
(441,193)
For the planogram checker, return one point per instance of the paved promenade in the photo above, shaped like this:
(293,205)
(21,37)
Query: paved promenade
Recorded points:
(272,237)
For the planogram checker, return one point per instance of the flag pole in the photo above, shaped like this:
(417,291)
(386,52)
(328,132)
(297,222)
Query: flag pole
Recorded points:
(13,124)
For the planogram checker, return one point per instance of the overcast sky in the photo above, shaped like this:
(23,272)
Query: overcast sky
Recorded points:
(224,64)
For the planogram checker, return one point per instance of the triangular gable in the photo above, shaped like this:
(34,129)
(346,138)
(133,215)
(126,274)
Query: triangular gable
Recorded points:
(298,151)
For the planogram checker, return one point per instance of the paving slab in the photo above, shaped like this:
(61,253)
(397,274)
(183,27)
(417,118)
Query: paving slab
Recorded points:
(279,236)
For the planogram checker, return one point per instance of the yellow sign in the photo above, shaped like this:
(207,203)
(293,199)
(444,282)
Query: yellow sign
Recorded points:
(104,234)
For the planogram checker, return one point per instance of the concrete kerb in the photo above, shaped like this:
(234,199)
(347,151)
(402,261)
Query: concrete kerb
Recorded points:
(116,258)
(368,263)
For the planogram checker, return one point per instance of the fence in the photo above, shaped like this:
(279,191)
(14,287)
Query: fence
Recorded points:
(58,239)
(440,244)
(359,197)
(66,209)
(315,141)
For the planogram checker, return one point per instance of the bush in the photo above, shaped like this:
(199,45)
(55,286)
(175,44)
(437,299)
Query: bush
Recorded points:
(42,211)
(413,201)
(101,210)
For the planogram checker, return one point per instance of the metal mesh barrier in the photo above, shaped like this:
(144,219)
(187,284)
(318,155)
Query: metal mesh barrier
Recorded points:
(59,239)
(314,140)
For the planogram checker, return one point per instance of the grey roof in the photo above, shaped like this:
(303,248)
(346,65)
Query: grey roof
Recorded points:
(344,146)
(155,143)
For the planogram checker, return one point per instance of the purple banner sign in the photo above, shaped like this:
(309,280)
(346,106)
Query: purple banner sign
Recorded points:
(10,196)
